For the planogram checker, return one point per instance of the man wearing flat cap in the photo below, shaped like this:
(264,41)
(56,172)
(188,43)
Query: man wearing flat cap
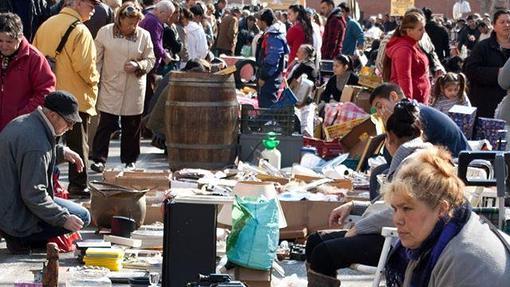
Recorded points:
(29,213)
(76,72)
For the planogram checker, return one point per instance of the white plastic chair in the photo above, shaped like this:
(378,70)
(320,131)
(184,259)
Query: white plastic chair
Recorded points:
(389,233)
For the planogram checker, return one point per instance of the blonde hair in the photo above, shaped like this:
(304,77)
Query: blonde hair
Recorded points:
(430,177)
(121,14)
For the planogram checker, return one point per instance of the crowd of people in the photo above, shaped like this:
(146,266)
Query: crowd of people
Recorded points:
(64,62)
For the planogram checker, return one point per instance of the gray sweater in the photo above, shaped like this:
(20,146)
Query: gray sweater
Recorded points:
(503,109)
(28,155)
(378,216)
(475,257)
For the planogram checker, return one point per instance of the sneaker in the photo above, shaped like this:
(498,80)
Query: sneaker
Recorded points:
(130,166)
(97,167)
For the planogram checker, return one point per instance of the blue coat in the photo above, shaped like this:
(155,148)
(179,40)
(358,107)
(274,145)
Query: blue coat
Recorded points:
(271,51)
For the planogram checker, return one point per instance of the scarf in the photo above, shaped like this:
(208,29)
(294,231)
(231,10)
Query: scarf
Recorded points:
(5,61)
(425,257)
(133,37)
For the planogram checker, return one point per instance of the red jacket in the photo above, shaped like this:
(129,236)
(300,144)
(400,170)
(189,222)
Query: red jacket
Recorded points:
(409,68)
(24,85)
(333,36)
(295,38)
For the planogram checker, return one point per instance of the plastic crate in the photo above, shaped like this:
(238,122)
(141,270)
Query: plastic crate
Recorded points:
(264,120)
(325,149)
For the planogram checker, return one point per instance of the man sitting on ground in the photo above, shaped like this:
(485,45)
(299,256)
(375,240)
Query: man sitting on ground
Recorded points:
(28,151)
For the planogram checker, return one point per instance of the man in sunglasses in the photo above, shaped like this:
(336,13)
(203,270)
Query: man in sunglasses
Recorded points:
(76,72)
(28,151)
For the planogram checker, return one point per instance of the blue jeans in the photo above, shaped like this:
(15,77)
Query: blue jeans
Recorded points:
(50,231)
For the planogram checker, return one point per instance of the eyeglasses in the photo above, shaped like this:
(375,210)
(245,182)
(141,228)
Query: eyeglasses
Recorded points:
(131,11)
(69,124)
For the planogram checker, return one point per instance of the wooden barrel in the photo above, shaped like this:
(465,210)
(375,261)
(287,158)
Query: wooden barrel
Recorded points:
(201,118)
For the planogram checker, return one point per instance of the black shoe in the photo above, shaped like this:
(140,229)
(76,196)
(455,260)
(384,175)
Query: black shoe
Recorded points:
(15,246)
(78,192)
(97,167)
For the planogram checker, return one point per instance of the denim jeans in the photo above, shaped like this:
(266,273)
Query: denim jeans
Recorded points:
(50,231)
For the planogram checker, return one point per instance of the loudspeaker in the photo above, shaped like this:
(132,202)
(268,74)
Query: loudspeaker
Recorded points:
(189,246)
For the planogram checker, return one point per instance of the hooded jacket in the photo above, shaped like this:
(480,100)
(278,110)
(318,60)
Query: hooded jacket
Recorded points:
(270,54)
(409,68)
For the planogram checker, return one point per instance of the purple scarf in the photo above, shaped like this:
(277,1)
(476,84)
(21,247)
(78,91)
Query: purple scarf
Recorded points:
(428,253)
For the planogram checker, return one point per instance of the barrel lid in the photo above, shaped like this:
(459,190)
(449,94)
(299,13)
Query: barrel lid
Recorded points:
(200,77)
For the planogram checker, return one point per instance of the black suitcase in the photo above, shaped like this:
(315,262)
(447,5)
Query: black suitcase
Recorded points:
(189,242)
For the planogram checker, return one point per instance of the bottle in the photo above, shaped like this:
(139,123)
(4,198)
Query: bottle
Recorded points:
(271,153)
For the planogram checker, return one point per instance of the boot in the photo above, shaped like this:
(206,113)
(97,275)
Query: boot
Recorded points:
(320,280)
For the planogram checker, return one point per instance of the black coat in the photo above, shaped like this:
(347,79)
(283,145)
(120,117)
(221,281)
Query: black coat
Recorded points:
(331,92)
(439,37)
(32,13)
(481,69)
(303,69)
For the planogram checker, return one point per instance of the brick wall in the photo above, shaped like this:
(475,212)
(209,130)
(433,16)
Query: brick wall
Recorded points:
(374,7)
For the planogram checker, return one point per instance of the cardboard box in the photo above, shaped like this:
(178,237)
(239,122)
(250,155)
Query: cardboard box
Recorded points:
(253,278)
(355,141)
(491,130)
(154,180)
(312,215)
(464,117)
(338,131)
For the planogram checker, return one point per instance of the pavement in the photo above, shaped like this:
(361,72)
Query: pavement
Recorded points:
(18,268)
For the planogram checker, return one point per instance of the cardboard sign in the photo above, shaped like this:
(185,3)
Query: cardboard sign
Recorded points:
(283,4)
(399,7)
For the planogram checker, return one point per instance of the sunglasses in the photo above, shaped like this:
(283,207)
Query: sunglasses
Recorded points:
(131,11)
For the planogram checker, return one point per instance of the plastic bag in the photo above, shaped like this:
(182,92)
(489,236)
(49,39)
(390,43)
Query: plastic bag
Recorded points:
(255,233)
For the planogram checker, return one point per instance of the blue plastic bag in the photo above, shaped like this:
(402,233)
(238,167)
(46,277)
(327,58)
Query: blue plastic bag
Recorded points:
(255,233)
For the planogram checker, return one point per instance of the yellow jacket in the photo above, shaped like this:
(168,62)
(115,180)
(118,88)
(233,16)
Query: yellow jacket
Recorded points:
(76,66)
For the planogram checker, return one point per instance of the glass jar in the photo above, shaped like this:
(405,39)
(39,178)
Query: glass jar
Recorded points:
(88,276)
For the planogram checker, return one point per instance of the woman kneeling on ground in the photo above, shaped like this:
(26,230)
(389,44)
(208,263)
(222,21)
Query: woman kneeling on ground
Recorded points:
(362,244)
(441,241)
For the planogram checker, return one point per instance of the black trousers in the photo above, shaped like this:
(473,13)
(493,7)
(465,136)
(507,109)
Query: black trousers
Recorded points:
(129,137)
(77,140)
(328,252)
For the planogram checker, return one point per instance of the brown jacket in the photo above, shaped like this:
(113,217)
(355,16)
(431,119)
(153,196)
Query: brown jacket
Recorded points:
(227,33)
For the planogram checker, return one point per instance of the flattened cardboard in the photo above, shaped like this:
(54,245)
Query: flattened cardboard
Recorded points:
(139,179)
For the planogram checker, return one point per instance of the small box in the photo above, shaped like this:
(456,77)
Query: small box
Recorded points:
(464,117)
(491,130)
(253,278)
